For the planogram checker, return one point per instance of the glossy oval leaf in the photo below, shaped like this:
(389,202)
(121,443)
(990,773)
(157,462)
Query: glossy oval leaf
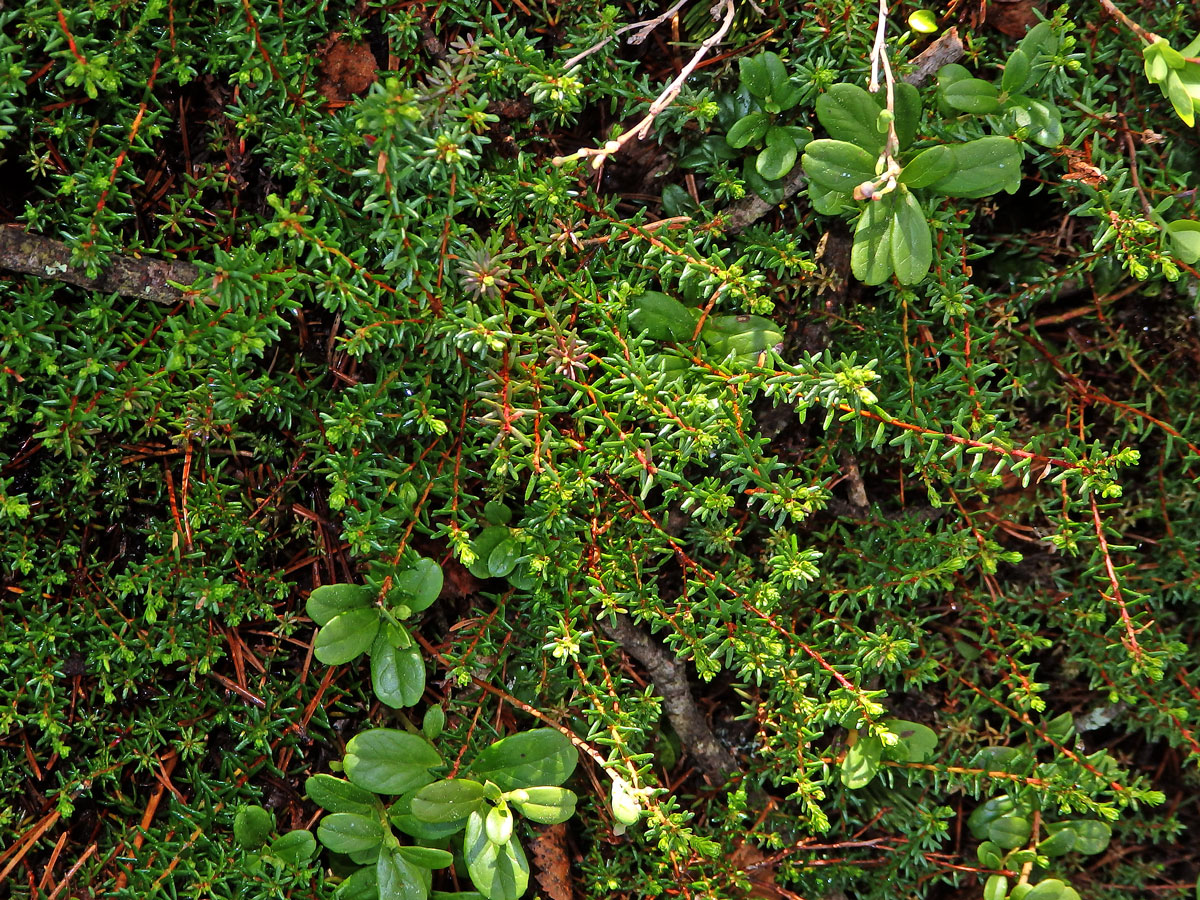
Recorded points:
(336,795)
(503,558)
(777,76)
(349,832)
(332,600)
(1016,72)
(1091,836)
(1045,122)
(838,165)
(624,805)
(912,254)
(830,202)
(871,252)
(908,112)
(1009,832)
(433,722)
(770,191)
(990,855)
(346,637)
(754,76)
(927,167)
(984,815)
(972,95)
(995,888)
(449,800)
(400,815)
(399,879)
(542,756)
(917,741)
(491,537)
(388,761)
(1050,889)
(499,871)
(1185,240)
(1181,100)
(397,674)
(779,155)
(1038,40)
(982,167)
(366,857)
(662,318)
(295,848)
(546,805)
(1058,843)
(427,857)
(361,885)
(861,762)
(497,513)
(922,21)
(421,584)
(498,824)
(950,73)
(747,130)
(848,113)
(741,334)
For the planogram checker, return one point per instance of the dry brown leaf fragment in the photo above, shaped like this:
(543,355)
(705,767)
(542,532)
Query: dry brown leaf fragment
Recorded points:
(347,69)
(549,850)
(1080,168)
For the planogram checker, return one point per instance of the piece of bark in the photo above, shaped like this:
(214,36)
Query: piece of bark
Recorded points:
(552,861)
(130,276)
(670,679)
(741,214)
(1012,17)
(946,49)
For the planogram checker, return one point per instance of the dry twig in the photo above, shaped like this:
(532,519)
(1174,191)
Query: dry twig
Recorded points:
(642,129)
(641,32)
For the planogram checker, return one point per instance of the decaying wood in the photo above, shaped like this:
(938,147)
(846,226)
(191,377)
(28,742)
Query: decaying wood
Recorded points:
(552,861)
(743,213)
(130,276)
(670,679)
(946,49)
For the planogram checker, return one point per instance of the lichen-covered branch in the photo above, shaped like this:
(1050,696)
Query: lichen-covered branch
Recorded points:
(130,276)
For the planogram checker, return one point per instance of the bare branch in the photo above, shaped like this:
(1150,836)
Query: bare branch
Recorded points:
(670,680)
(642,31)
(642,129)
(130,276)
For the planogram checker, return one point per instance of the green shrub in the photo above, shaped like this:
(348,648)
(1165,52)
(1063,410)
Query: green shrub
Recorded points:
(852,541)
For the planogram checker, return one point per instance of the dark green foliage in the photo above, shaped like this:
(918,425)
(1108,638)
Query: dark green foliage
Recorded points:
(922,542)
(522,770)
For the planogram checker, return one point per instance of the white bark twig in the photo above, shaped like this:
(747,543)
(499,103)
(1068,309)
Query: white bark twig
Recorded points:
(879,60)
(642,30)
(642,129)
